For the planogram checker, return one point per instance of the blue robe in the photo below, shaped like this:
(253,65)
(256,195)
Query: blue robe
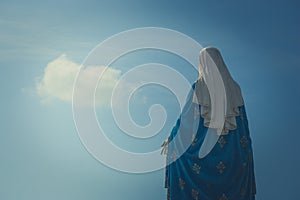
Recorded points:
(227,172)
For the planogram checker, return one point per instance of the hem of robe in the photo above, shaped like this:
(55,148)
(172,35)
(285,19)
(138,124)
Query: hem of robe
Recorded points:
(252,181)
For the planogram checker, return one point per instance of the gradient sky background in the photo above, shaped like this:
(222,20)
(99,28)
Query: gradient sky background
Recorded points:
(41,154)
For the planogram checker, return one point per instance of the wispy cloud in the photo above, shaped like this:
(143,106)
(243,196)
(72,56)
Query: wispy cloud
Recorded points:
(31,41)
(59,75)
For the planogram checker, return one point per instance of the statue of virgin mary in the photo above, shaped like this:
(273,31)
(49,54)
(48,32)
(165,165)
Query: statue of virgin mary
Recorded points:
(209,151)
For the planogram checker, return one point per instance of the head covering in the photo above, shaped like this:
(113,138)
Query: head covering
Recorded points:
(217,93)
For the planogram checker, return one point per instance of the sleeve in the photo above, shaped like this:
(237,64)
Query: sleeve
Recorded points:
(181,135)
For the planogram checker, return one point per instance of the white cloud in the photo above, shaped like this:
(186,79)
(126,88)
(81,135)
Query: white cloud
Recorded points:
(58,79)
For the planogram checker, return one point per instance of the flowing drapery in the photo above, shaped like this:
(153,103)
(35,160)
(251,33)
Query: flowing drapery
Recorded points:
(227,172)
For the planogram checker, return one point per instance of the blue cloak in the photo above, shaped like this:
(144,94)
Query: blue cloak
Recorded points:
(226,173)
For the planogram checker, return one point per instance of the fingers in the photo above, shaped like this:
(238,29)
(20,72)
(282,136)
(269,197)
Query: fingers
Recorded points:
(161,152)
(164,147)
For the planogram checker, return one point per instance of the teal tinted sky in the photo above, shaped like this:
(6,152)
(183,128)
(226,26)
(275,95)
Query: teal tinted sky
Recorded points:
(41,154)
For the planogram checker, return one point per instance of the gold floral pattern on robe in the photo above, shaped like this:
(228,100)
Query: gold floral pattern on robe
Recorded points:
(244,141)
(181,183)
(195,194)
(222,141)
(221,167)
(196,168)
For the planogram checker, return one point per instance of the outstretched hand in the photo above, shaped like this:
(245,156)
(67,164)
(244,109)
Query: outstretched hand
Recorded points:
(165,147)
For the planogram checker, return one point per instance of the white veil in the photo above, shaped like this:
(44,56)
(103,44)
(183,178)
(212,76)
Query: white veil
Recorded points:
(219,96)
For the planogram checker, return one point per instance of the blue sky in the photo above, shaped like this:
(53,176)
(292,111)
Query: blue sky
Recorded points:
(41,154)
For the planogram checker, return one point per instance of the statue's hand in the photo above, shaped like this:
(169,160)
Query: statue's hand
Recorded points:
(165,147)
